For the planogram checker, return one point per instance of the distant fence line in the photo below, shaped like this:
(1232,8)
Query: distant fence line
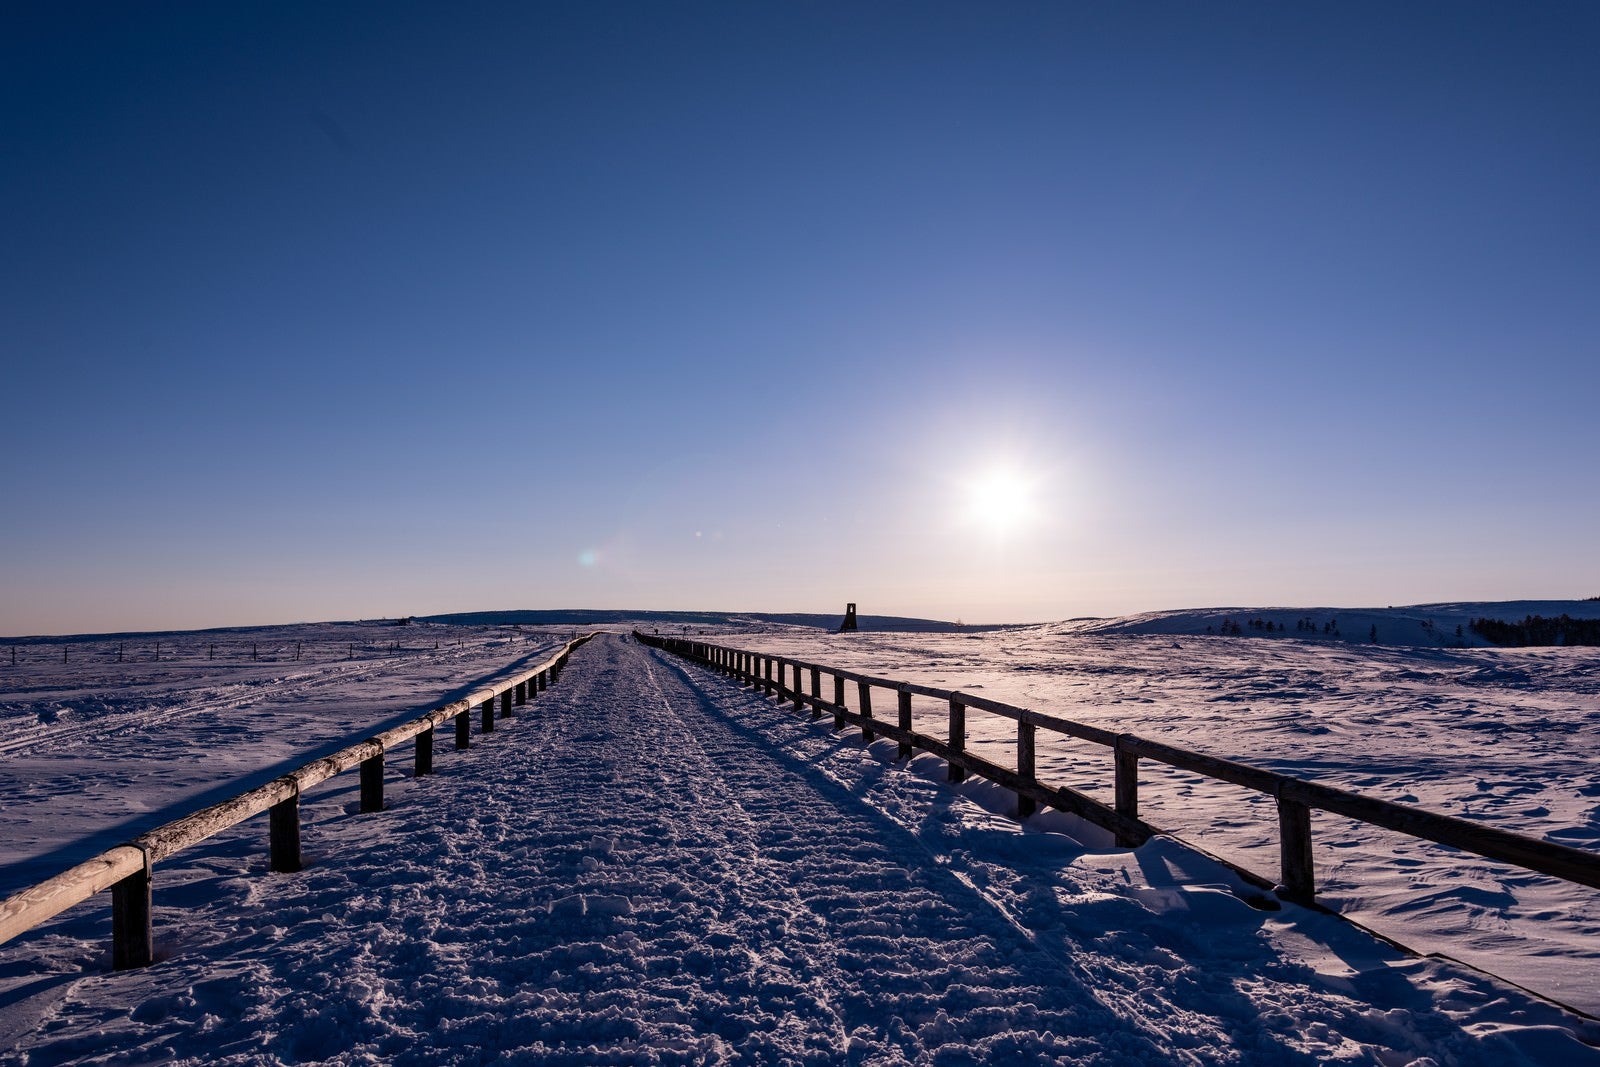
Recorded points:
(127,869)
(1295,797)
(159,651)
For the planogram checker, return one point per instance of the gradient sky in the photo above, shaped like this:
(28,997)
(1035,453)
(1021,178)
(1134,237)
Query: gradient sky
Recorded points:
(330,311)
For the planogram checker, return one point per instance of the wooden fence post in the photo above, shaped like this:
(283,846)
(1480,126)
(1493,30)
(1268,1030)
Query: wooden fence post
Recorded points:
(838,700)
(766,674)
(132,931)
(958,737)
(487,725)
(1127,788)
(283,834)
(1294,849)
(1027,770)
(372,783)
(505,703)
(864,691)
(905,723)
(522,693)
(463,728)
(816,692)
(1127,769)
(424,753)
(798,691)
(544,680)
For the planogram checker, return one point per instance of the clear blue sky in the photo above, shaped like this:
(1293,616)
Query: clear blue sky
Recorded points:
(325,311)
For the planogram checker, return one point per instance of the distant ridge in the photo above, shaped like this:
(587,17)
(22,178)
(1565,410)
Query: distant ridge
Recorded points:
(1410,625)
(740,619)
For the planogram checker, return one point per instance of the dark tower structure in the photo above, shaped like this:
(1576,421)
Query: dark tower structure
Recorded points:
(849,623)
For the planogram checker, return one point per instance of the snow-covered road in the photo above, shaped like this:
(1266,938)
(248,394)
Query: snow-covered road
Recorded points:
(653,865)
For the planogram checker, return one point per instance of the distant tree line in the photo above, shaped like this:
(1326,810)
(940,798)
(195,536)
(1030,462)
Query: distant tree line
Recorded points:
(1538,630)
(1232,628)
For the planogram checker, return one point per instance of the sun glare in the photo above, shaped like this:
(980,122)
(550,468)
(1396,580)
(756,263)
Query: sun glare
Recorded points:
(1001,500)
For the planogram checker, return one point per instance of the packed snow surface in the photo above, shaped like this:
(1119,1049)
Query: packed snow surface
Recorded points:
(650,864)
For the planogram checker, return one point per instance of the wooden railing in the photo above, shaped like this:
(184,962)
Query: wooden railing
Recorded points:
(1296,798)
(126,869)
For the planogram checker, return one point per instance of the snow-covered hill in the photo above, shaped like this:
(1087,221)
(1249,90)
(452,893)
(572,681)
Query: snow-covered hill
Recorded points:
(672,622)
(1429,625)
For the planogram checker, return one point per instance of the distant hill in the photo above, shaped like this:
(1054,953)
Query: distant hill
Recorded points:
(1416,624)
(698,619)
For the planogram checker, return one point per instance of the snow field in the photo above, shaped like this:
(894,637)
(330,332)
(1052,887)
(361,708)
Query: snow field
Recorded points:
(651,865)
(96,752)
(1495,735)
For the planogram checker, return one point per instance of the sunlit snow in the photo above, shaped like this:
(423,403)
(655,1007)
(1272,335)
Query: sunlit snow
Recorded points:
(652,864)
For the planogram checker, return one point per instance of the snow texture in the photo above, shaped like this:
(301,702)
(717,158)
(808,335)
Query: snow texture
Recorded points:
(1500,736)
(652,865)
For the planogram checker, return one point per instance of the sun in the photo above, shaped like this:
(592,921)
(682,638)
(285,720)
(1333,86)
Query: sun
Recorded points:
(1001,500)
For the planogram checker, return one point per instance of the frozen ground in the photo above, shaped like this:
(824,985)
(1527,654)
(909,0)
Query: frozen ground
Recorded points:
(653,865)
(95,751)
(1504,736)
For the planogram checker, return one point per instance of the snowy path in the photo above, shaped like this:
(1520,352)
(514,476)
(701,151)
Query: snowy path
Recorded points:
(652,865)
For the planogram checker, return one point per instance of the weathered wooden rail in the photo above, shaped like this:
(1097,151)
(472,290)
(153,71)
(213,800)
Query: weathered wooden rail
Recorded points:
(1296,798)
(127,869)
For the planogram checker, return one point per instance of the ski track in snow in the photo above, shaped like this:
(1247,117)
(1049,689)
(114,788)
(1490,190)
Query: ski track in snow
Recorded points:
(650,864)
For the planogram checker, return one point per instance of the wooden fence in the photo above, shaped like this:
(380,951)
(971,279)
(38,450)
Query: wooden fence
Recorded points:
(1296,798)
(126,869)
